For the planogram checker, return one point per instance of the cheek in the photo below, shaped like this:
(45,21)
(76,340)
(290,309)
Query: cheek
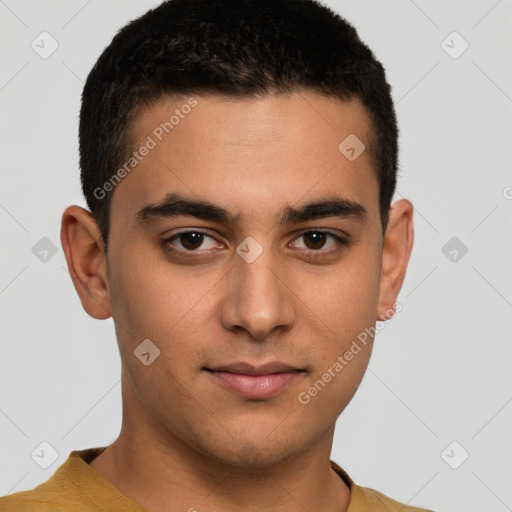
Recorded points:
(330,390)
(346,299)
(153,297)
(346,306)
(153,300)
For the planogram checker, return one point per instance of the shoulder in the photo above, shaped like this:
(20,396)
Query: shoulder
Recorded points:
(379,501)
(31,501)
(50,496)
(364,499)
(64,491)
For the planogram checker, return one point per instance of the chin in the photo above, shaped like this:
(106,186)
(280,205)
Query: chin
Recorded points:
(256,455)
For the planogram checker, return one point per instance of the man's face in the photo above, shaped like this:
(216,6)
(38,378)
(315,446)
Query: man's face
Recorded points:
(302,301)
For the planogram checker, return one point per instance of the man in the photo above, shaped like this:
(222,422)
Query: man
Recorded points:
(239,160)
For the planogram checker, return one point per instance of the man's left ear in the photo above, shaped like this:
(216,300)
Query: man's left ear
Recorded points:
(398,242)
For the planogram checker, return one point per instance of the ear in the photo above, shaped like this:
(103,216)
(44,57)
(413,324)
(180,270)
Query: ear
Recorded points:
(398,242)
(83,246)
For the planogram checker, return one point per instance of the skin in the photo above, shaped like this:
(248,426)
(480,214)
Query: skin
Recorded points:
(186,442)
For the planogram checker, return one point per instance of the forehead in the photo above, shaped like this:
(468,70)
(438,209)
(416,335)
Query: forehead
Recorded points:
(250,154)
(250,121)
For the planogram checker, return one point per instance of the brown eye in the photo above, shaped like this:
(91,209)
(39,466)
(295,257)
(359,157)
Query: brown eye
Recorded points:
(315,239)
(192,240)
(189,241)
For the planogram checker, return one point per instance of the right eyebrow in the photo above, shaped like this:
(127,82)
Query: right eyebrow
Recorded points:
(175,204)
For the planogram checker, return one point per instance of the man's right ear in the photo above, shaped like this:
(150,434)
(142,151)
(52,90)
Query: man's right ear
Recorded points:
(87,262)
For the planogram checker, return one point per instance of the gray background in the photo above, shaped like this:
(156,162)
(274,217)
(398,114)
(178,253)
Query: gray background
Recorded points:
(440,369)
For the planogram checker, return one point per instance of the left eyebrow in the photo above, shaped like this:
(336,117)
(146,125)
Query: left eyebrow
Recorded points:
(175,205)
(329,207)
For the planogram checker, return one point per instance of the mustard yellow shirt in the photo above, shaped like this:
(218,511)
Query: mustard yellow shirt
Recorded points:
(77,487)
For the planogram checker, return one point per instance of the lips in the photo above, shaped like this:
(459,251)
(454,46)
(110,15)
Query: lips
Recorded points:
(256,382)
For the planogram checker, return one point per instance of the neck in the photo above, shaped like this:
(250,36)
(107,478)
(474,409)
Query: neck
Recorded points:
(164,474)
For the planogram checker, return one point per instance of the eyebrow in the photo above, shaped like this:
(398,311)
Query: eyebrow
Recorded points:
(175,205)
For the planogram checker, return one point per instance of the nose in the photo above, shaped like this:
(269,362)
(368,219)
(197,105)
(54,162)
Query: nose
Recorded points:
(258,297)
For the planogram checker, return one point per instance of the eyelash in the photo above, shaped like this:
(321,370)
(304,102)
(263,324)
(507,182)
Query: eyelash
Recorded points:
(341,241)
